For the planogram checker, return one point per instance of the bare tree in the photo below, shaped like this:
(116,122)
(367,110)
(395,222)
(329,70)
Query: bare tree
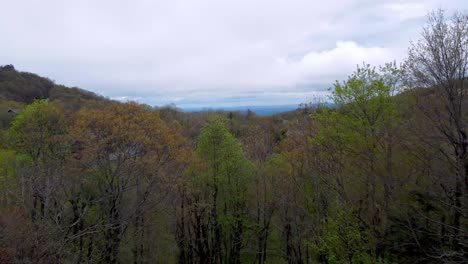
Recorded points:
(438,62)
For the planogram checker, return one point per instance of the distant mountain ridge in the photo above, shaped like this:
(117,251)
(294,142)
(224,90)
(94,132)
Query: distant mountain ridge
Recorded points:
(261,110)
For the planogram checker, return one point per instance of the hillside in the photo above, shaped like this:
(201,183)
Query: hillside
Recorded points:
(18,89)
(24,87)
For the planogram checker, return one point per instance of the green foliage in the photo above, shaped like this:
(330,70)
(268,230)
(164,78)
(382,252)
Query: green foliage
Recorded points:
(228,173)
(223,154)
(344,240)
(11,165)
(366,97)
(359,137)
(39,131)
(228,166)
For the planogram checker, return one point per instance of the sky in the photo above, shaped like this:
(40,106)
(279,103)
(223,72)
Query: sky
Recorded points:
(208,53)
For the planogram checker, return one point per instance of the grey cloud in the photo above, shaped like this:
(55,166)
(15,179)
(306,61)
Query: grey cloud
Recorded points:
(191,52)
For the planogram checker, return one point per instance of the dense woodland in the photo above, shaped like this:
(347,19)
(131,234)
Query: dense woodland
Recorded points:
(380,177)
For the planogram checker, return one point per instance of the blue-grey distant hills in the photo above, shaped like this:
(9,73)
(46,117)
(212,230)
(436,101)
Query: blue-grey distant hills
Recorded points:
(260,110)
(264,110)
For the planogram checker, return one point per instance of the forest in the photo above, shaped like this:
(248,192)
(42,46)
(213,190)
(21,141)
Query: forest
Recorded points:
(377,174)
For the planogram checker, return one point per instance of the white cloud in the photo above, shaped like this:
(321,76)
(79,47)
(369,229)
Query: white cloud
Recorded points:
(326,66)
(196,51)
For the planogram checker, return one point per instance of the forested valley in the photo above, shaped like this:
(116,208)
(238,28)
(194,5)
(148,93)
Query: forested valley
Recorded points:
(378,176)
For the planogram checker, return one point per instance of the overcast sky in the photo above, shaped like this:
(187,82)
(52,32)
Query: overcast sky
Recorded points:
(208,53)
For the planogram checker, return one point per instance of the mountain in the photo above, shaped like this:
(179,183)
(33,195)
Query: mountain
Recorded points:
(262,110)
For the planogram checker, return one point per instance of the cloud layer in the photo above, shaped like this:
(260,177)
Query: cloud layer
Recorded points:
(208,53)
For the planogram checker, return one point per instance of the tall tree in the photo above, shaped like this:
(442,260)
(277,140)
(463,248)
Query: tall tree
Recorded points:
(126,152)
(438,62)
(39,133)
(220,193)
(366,117)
